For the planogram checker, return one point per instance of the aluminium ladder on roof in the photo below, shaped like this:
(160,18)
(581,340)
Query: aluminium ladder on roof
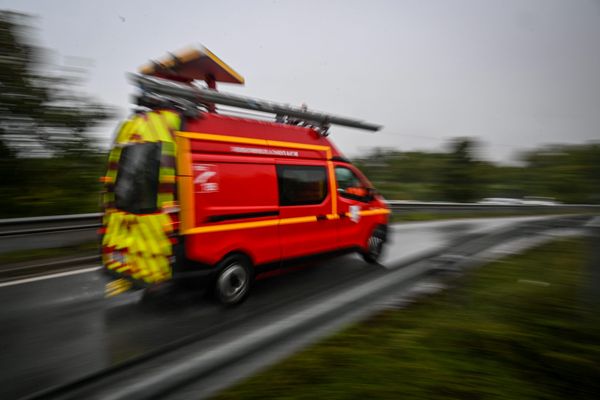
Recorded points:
(198,95)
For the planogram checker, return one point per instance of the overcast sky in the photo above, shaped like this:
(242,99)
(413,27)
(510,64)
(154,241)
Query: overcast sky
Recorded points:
(515,73)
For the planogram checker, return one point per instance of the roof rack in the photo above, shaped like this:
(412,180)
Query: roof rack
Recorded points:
(187,97)
(169,82)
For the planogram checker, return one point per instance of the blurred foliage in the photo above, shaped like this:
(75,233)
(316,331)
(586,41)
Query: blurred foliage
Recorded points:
(48,162)
(460,166)
(567,173)
(502,334)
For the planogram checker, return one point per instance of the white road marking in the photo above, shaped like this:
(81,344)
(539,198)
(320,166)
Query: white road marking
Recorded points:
(41,278)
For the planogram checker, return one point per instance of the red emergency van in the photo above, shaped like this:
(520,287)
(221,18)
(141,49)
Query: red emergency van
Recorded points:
(192,192)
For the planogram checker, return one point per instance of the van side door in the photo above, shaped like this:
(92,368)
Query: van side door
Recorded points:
(305,202)
(353,199)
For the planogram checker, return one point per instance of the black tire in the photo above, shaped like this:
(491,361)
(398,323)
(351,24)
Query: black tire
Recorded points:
(375,243)
(233,281)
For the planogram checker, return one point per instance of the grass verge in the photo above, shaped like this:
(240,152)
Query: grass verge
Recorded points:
(516,329)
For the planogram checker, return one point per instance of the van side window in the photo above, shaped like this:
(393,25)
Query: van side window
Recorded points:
(349,185)
(301,184)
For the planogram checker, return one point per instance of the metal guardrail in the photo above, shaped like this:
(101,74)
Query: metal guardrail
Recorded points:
(49,224)
(438,206)
(61,223)
(51,218)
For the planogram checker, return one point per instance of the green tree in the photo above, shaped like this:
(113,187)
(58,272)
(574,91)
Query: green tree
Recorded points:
(459,179)
(569,173)
(44,125)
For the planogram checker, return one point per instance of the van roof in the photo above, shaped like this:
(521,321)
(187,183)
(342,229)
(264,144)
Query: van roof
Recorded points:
(245,128)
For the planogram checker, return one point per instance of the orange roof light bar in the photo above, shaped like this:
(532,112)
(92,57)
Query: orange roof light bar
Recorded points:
(193,63)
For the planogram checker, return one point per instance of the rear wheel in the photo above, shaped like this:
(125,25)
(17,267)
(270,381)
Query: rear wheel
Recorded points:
(375,244)
(233,281)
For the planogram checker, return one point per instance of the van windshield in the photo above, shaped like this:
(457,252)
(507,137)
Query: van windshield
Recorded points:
(137,178)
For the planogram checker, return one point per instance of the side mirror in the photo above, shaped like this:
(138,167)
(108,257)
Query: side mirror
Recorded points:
(362,194)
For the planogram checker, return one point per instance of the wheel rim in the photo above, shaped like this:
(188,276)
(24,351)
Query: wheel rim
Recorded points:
(375,245)
(233,283)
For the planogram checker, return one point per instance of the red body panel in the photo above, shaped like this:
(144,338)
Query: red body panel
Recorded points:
(236,197)
(301,239)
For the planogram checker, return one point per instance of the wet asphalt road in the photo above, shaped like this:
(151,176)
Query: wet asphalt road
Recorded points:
(58,329)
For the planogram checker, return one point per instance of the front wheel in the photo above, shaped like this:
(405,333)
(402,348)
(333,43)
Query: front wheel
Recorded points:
(233,281)
(375,246)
